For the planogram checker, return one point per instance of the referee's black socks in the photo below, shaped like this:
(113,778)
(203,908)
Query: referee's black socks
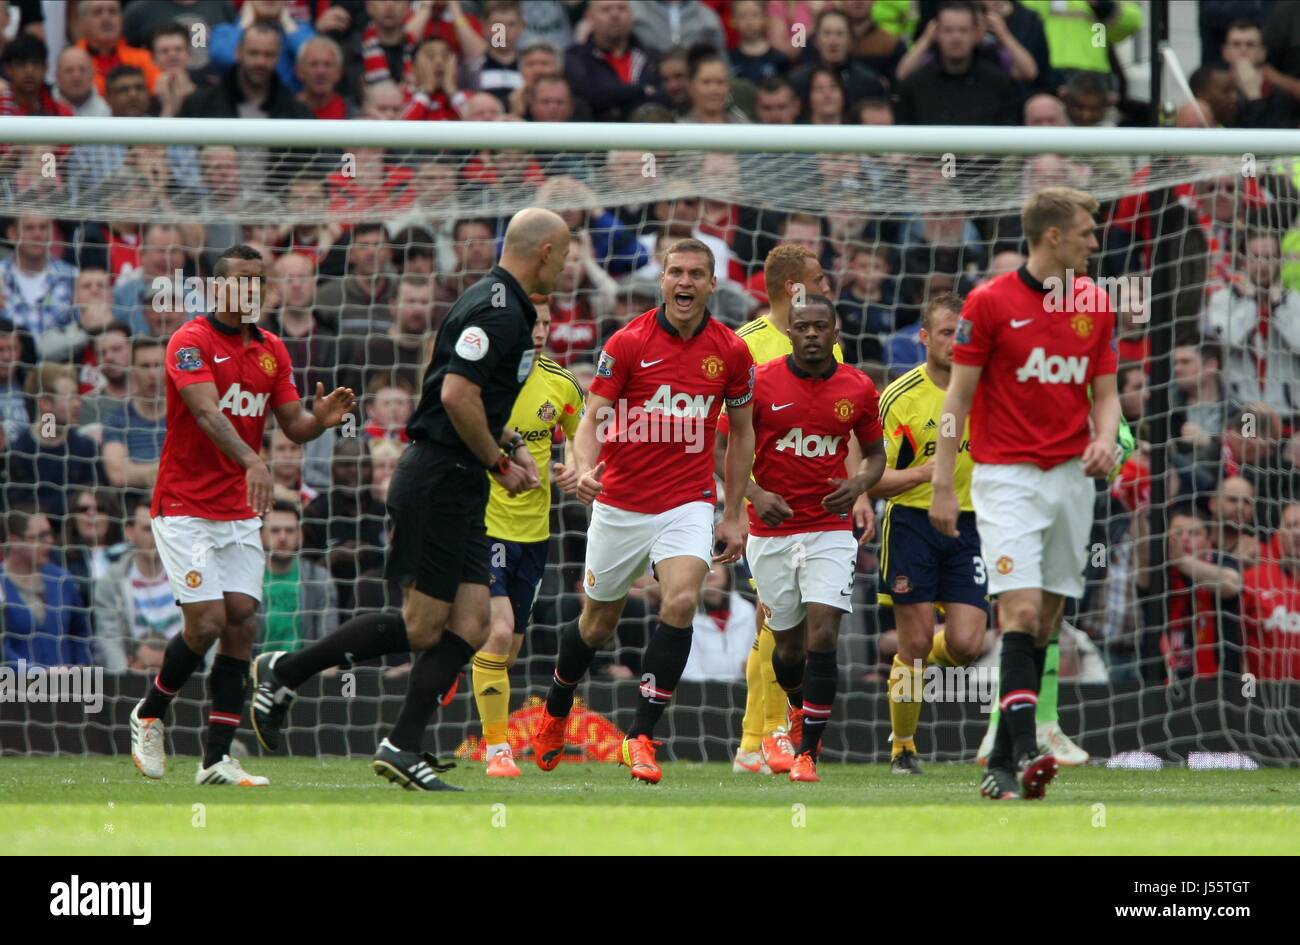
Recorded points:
(571,664)
(367,637)
(432,674)
(661,670)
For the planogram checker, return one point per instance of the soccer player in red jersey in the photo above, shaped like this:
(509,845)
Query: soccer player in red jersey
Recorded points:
(1030,343)
(223,373)
(652,413)
(1270,606)
(802,552)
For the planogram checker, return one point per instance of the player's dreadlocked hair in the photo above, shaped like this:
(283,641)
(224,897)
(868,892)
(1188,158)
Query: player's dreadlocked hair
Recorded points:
(238,251)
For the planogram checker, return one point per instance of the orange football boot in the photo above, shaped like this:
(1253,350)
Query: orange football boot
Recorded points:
(639,755)
(778,751)
(548,740)
(805,768)
(503,765)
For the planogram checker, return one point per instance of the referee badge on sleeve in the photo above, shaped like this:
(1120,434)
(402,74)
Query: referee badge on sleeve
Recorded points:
(964,327)
(472,344)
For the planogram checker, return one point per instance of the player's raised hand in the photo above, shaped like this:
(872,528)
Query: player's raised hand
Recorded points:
(565,478)
(842,497)
(515,479)
(1099,459)
(589,484)
(330,410)
(261,488)
(943,510)
(864,517)
(770,507)
(728,540)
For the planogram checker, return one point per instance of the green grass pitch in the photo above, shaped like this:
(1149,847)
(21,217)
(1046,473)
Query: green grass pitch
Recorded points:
(98,805)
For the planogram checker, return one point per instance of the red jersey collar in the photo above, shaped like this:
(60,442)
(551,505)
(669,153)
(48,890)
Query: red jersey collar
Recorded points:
(661,317)
(804,375)
(227,330)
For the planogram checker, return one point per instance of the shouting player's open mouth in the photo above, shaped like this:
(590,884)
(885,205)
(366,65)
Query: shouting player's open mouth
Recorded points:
(683,302)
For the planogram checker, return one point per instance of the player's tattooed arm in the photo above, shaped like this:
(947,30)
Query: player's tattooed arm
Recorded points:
(201,399)
(1099,457)
(303,426)
(952,423)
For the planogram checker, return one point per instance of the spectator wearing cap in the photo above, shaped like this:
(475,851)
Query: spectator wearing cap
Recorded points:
(957,88)
(45,619)
(227,37)
(24,62)
(74,84)
(660,25)
(101,27)
(832,43)
(50,454)
(615,72)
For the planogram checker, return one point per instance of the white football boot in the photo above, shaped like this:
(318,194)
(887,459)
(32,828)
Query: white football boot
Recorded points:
(148,746)
(229,771)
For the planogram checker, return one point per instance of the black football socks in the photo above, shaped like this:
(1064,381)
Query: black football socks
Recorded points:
(571,664)
(434,673)
(662,666)
(367,637)
(179,664)
(226,687)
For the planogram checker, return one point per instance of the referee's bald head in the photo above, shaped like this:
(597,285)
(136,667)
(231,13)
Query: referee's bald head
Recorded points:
(536,244)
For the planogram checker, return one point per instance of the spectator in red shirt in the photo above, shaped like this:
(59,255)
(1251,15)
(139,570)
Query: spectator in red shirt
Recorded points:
(101,25)
(432,84)
(1202,635)
(1271,607)
(611,69)
(320,69)
(24,62)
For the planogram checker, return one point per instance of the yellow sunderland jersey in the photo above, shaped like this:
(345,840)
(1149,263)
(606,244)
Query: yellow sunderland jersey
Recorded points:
(910,411)
(550,398)
(767,342)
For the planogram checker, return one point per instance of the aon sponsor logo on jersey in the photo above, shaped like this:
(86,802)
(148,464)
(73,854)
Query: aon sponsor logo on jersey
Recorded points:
(1283,620)
(241,403)
(679,405)
(1053,370)
(811,446)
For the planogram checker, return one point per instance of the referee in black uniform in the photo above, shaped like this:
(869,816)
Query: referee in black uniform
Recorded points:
(437,500)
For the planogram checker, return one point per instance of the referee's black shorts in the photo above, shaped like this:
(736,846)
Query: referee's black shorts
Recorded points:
(437,502)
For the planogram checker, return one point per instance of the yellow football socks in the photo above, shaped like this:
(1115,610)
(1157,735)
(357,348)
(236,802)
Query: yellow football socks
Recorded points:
(751,726)
(939,655)
(492,695)
(906,687)
(775,703)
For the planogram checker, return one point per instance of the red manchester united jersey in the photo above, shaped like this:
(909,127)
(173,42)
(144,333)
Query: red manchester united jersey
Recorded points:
(667,393)
(194,476)
(1270,621)
(1040,350)
(801,431)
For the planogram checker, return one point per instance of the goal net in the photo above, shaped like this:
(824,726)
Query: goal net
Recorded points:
(1186,645)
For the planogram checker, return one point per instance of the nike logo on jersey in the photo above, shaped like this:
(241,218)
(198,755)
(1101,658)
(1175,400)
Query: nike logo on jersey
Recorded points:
(219,360)
(782,407)
(1020,322)
(650,363)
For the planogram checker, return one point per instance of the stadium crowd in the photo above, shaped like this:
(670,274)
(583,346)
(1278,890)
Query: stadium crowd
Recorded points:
(358,290)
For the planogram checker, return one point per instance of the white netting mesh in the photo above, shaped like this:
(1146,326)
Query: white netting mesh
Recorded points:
(1152,665)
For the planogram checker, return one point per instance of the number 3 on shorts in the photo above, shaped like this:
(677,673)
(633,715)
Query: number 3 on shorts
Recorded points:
(980,577)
